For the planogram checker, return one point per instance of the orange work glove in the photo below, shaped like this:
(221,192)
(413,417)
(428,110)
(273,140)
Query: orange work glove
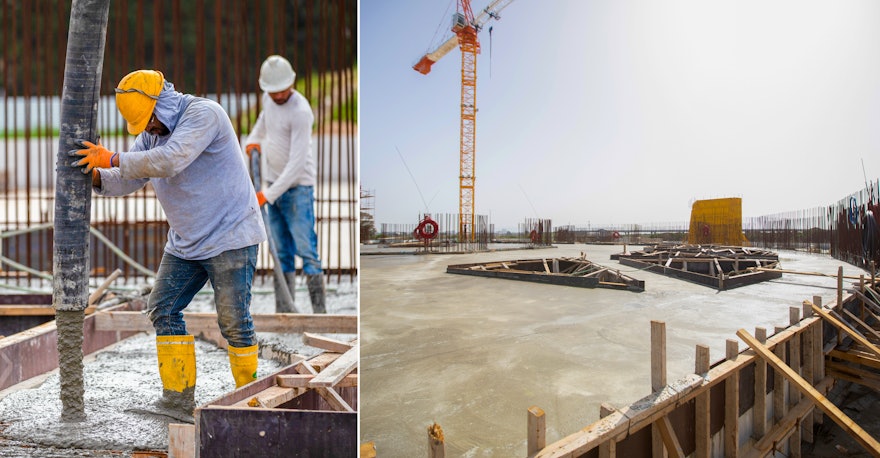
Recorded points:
(252,146)
(261,199)
(93,156)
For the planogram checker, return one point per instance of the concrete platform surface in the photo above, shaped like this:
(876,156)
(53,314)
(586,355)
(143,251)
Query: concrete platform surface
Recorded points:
(473,354)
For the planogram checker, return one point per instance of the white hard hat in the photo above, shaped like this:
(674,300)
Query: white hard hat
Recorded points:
(276,74)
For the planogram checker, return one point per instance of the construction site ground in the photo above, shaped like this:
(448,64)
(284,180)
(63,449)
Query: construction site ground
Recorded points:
(473,354)
(125,376)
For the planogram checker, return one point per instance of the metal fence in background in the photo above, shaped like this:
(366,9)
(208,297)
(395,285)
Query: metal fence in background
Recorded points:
(209,48)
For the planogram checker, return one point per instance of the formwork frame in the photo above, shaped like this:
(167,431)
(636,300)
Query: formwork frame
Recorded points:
(739,407)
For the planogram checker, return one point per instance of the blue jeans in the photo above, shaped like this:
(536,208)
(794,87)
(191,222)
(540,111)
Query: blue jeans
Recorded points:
(292,222)
(231,274)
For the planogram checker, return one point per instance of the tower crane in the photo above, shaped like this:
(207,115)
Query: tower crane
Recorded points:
(465,28)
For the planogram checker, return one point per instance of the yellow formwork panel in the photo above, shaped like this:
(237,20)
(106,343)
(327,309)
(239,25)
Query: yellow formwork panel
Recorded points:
(717,222)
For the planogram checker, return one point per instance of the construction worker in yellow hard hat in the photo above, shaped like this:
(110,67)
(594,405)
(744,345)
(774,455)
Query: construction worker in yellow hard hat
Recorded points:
(187,149)
(283,134)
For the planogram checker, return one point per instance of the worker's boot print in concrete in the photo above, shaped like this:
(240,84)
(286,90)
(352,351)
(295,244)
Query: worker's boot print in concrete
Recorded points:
(243,363)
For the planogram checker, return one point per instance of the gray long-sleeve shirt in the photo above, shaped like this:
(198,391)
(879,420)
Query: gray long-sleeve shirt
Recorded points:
(200,179)
(284,133)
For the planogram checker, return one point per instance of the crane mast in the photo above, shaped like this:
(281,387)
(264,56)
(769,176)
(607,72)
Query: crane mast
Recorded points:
(465,29)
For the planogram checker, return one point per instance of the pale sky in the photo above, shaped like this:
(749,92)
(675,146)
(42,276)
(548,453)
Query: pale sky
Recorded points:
(623,111)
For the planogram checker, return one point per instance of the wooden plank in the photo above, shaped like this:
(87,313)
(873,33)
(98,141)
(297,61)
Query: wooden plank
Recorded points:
(368,450)
(858,357)
(607,449)
(302,380)
(270,397)
(546,268)
(782,429)
(871,331)
(27,310)
(181,440)
(842,420)
(845,329)
(658,355)
(329,394)
(670,441)
(326,343)
(337,370)
(269,322)
(853,374)
(223,431)
(537,433)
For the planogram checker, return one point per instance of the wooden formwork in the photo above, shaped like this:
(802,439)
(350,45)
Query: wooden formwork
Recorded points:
(306,409)
(34,351)
(714,266)
(578,272)
(754,403)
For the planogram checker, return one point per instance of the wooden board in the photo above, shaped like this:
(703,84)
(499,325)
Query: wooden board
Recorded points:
(337,370)
(269,322)
(842,420)
(275,433)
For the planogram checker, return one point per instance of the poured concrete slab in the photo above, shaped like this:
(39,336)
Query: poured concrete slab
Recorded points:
(473,354)
(126,376)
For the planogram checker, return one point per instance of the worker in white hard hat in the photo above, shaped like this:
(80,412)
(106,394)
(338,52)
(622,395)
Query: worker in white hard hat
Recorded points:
(283,135)
(187,149)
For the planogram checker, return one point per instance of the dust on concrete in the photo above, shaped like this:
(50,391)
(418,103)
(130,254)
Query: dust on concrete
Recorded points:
(125,376)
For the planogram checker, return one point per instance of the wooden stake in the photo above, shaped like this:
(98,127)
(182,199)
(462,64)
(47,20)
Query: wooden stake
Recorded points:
(842,420)
(608,448)
(731,405)
(436,442)
(701,361)
(537,436)
(759,410)
(658,355)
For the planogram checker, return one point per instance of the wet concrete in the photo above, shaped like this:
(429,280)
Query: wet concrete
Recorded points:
(70,364)
(473,354)
(126,377)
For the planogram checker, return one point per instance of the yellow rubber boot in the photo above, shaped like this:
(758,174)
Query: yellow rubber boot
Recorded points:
(243,362)
(177,369)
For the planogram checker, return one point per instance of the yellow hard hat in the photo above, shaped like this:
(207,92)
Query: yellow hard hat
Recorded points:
(136,97)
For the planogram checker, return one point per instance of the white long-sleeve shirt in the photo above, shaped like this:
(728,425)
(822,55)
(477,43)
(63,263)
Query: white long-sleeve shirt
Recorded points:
(200,179)
(284,133)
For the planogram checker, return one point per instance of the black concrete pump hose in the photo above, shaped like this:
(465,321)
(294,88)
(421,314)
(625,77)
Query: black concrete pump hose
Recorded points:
(73,189)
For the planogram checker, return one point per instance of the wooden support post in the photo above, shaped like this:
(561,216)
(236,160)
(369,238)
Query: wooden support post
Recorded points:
(702,424)
(537,435)
(780,407)
(794,396)
(731,405)
(436,442)
(842,420)
(181,440)
(839,286)
(809,375)
(759,410)
(701,361)
(819,357)
(658,355)
(608,448)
